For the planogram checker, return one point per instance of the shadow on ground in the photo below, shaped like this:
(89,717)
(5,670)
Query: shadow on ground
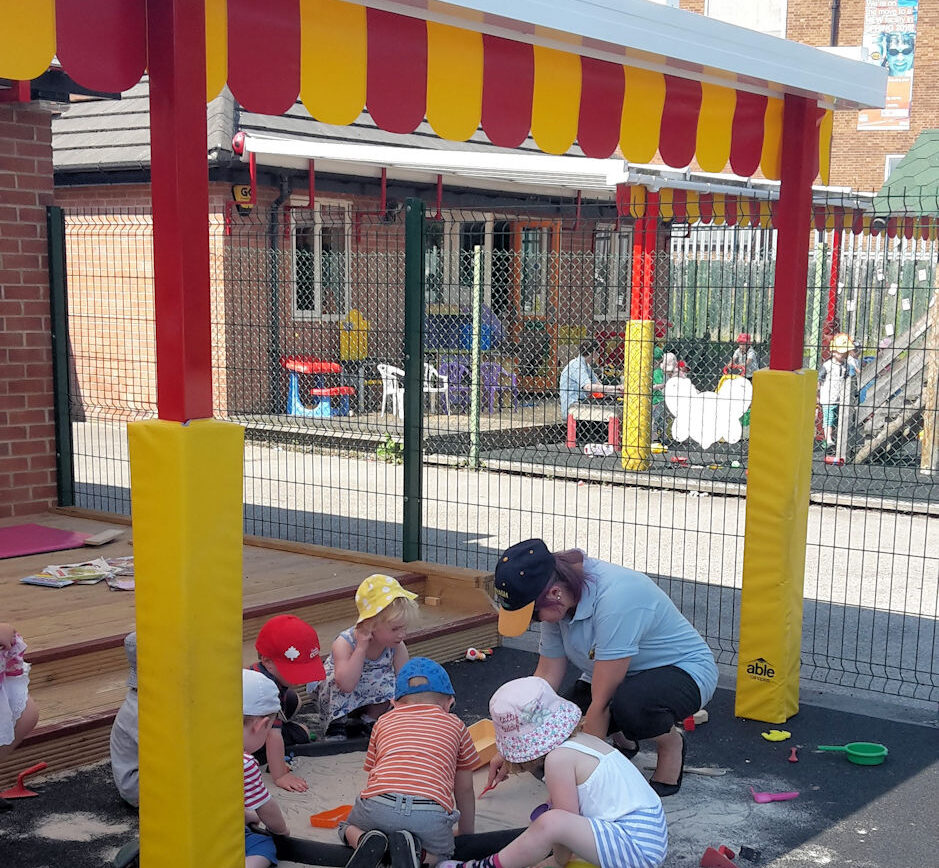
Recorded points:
(876,817)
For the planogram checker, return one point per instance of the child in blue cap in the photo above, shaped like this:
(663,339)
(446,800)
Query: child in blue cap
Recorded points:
(420,764)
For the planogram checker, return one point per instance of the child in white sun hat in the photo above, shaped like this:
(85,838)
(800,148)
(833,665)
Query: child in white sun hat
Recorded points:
(365,659)
(602,809)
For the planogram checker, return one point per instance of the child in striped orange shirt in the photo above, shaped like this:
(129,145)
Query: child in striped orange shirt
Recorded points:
(420,764)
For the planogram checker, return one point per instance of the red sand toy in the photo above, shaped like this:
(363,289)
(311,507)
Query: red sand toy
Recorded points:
(330,819)
(18,791)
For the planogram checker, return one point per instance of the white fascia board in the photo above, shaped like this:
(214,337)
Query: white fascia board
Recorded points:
(370,159)
(665,39)
(515,173)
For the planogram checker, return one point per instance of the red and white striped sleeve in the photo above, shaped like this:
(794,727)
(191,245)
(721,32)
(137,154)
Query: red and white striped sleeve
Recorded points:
(256,793)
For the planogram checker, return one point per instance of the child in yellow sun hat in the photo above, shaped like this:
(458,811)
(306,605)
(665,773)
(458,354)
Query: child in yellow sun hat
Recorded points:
(365,659)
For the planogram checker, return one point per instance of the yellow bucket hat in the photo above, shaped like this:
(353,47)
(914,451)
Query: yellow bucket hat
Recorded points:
(376,593)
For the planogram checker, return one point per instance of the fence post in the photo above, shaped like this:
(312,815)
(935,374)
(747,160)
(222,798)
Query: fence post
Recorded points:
(58,303)
(413,378)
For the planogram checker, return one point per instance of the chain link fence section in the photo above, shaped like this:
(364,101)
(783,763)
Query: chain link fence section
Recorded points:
(309,354)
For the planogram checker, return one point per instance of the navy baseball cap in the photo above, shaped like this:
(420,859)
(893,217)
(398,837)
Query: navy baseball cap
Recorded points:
(522,573)
(428,677)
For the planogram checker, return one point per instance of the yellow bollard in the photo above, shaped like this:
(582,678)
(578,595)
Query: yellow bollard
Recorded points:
(637,397)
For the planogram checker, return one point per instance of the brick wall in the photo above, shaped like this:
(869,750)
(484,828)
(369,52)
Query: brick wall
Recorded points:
(27,435)
(858,156)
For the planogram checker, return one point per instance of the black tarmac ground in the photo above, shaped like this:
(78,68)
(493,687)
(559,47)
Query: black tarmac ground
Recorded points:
(869,817)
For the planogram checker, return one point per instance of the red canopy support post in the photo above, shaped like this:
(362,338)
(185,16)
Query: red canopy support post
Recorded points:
(180,190)
(640,335)
(782,427)
(837,238)
(793,221)
(186,494)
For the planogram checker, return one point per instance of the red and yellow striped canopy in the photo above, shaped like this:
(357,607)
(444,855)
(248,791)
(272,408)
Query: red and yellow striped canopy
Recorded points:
(340,58)
(727,209)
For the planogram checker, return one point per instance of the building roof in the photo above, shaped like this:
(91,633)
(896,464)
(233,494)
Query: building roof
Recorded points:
(102,136)
(913,185)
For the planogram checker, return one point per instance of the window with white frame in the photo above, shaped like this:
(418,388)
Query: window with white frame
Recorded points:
(321,241)
(612,272)
(766,16)
(891,161)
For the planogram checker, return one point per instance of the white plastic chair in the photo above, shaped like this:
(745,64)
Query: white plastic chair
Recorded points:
(392,387)
(435,384)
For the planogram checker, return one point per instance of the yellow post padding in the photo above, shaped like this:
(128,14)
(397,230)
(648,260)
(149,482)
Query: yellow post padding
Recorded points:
(186,494)
(782,429)
(637,399)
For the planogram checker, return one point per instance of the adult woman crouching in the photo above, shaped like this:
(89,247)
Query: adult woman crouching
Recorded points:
(645,668)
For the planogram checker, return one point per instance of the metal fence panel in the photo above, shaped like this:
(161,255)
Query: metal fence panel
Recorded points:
(309,353)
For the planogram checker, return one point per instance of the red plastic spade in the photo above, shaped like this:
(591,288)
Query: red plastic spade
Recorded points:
(19,791)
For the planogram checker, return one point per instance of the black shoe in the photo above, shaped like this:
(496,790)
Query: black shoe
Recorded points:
(356,727)
(369,851)
(405,850)
(664,790)
(337,730)
(128,856)
(628,752)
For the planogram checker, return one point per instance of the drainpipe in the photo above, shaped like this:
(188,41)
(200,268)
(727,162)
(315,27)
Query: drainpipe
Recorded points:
(835,22)
(273,282)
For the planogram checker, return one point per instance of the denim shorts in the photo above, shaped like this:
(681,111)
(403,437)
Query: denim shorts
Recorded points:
(424,818)
(257,844)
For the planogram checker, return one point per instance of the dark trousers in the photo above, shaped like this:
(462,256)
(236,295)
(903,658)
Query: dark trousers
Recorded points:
(647,704)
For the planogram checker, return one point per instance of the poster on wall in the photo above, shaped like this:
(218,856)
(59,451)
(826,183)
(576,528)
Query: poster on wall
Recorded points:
(890,40)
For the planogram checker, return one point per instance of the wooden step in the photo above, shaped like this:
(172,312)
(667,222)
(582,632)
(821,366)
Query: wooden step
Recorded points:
(77,710)
(75,635)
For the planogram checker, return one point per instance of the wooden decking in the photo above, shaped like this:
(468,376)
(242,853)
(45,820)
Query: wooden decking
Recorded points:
(75,634)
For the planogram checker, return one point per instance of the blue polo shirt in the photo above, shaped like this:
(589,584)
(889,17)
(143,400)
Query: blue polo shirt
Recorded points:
(623,613)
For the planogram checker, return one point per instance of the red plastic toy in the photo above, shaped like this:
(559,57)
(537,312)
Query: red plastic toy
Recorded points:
(18,791)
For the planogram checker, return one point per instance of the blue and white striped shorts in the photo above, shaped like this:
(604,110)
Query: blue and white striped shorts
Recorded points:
(638,840)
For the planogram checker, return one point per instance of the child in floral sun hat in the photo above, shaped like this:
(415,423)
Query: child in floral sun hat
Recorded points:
(359,683)
(602,809)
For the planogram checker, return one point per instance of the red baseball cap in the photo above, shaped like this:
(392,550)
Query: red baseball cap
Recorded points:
(293,646)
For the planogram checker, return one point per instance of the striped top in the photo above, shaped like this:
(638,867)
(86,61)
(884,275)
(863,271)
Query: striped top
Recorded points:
(417,750)
(256,793)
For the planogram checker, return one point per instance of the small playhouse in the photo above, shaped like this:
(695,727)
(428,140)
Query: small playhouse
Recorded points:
(639,77)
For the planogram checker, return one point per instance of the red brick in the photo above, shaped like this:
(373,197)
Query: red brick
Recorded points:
(21,260)
(21,230)
(39,246)
(31,507)
(26,447)
(21,132)
(18,165)
(41,150)
(14,463)
(25,355)
(13,400)
(18,197)
(10,338)
(29,478)
(48,491)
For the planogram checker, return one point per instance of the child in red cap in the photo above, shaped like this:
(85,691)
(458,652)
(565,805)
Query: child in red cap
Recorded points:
(288,653)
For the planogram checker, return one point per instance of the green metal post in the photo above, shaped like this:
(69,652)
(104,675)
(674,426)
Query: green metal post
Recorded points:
(58,303)
(475,377)
(413,378)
